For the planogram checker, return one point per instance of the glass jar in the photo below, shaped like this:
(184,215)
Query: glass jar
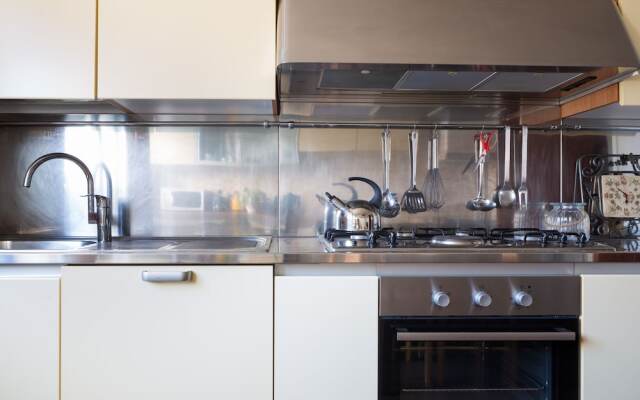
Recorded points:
(568,218)
(530,216)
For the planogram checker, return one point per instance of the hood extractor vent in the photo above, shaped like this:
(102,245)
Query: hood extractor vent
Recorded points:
(448,81)
(442,80)
(497,49)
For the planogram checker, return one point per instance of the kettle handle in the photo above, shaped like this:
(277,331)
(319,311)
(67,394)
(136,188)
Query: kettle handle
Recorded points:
(376,200)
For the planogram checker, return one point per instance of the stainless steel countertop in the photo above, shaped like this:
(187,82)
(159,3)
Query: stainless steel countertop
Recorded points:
(311,251)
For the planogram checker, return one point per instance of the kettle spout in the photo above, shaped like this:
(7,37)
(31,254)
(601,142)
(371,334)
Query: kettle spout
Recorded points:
(337,203)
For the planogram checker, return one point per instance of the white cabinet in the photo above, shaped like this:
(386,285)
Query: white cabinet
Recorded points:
(326,338)
(630,88)
(610,328)
(125,338)
(47,49)
(29,340)
(630,10)
(190,49)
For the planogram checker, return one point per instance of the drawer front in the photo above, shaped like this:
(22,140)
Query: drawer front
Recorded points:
(167,332)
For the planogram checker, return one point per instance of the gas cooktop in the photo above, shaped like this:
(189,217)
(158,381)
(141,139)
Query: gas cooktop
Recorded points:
(424,238)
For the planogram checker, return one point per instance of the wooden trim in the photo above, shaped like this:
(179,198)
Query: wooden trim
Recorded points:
(601,98)
(539,116)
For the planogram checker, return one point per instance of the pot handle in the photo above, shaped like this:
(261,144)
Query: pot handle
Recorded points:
(376,200)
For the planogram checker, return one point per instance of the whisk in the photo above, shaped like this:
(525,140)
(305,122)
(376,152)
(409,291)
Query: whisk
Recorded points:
(433,185)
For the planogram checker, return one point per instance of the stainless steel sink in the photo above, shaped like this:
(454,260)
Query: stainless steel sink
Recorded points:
(43,245)
(209,244)
(134,245)
(224,244)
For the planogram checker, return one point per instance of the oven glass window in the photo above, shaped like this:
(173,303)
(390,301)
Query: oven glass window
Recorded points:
(473,370)
(477,369)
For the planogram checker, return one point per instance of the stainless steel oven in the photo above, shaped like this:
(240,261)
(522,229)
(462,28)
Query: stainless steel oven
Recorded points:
(479,338)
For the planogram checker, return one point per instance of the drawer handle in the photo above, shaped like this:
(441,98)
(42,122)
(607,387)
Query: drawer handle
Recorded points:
(167,276)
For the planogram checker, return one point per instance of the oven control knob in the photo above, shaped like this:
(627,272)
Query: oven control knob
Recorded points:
(523,299)
(441,299)
(482,299)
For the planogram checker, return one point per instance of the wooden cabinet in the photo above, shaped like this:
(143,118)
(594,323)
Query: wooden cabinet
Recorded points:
(210,337)
(326,338)
(610,326)
(192,49)
(29,340)
(47,49)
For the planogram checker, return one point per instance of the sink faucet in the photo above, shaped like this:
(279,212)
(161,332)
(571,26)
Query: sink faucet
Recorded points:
(99,207)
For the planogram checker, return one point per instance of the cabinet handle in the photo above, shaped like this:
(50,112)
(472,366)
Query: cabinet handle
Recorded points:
(167,276)
(553,336)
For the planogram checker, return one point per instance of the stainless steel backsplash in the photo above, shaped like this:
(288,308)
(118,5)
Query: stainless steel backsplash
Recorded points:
(315,160)
(199,181)
(165,181)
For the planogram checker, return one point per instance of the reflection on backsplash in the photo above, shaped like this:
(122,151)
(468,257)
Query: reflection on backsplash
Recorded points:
(198,181)
(326,158)
(165,181)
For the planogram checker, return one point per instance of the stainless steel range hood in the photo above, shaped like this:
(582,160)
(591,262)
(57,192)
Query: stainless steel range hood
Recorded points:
(448,51)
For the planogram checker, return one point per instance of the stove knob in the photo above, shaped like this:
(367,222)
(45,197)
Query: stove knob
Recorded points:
(441,299)
(482,299)
(523,299)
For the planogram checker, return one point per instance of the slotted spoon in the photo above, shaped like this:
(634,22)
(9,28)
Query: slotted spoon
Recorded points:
(390,206)
(413,199)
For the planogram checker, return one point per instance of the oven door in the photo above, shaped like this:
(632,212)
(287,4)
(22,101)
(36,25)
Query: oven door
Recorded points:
(479,358)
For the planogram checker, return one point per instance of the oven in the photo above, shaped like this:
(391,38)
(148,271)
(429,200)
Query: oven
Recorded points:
(479,338)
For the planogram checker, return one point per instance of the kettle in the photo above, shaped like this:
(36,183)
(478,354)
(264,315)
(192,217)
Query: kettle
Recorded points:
(356,215)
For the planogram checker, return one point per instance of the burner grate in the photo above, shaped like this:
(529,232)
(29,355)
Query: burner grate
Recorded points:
(427,237)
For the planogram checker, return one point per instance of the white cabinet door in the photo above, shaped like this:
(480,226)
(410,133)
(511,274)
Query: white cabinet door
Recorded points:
(128,339)
(47,49)
(190,49)
(629,93)
(29,340)
(326,338)
(610,331)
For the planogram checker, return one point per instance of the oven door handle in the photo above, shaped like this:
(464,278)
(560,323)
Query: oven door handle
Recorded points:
(560,335)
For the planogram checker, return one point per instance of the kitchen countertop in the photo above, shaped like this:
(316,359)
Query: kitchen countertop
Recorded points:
(310,251)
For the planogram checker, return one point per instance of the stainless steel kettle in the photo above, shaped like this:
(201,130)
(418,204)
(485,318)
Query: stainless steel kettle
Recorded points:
(356,215)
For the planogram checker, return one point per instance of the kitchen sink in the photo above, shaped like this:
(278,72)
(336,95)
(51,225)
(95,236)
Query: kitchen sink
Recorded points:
(212,244)
(134,245)
(43,245)
(224,243)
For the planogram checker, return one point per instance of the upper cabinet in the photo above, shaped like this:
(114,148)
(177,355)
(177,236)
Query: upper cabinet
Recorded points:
(190,49)
(47,49)
(630,89)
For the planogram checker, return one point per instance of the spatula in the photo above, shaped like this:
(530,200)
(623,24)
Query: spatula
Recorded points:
(413,199)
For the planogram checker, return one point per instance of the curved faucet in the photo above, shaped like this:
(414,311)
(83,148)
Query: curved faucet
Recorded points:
(100,214)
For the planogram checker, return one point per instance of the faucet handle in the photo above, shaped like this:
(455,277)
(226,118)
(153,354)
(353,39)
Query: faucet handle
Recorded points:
(96,204)
(101,216)
(99,199)
(102,201)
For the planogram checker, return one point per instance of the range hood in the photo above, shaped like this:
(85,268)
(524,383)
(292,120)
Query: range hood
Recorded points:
(465,52)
